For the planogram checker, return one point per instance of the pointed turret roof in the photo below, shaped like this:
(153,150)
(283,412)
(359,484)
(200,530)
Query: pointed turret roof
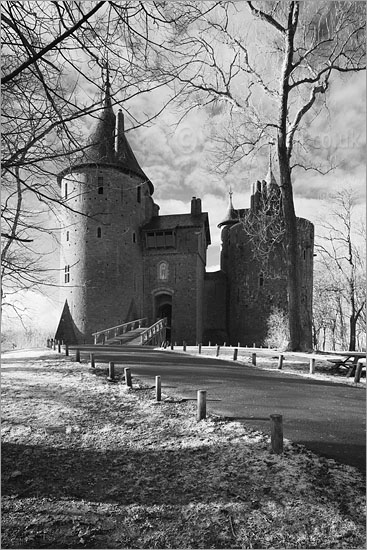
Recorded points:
(101,144)
(270,178)
(231,216)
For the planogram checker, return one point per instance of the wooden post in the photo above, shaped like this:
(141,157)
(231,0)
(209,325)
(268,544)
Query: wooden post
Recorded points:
(253,359)
(280,362)
(238,345)
(92,362)
(48,342)
(77,355)
(357,375)
(54,344)
(111,371)
(128,381)
(199,348)
(217,352)
(254,345)
(58,346)
(67,350)
(201,405)
(276,421)
(235,353)
(312,366)
(171,346)
(210,344)
(158,394)
(184,346)
(224,344)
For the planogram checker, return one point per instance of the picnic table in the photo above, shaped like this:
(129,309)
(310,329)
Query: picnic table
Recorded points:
(349,359)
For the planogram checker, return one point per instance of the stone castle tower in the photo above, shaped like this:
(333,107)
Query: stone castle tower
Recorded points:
(121,260)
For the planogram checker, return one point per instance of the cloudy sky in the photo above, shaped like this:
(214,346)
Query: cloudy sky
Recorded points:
(178,159)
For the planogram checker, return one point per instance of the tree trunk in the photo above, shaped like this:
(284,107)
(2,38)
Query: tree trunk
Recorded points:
(352,333)
(293,280)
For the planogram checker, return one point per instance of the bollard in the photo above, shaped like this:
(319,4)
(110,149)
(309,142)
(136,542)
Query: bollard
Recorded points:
(77,356)
(201,405)
(171,345)
(238,344)
(184,346)
(210,343)
(58,346)
(92,362)
(235,352)
(253,359)
(158,394)
(199,348)
(312,366)
(54,344)
(217,352)
(280,362)
(66,350)
(48,342)
(111,371)
(224,344)
(128,381)
(254,345)
(276,421)
(357,375)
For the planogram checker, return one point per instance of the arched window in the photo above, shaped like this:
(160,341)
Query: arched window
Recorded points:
(99,232)
(100,184)
(163,271)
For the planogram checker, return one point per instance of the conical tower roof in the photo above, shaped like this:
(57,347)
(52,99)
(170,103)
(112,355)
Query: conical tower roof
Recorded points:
(270,178)
(231,216)
(101,144)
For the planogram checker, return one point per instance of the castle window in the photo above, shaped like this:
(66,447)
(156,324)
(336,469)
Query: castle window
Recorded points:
(66,190)
(160,239)
(304,254)
(100,185)
(67,273)
(261,279)
(99,232)
(163,271)
(134,237)
(67,235)
(138,193)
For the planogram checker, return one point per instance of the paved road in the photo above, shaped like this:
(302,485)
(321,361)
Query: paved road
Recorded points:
(326,417)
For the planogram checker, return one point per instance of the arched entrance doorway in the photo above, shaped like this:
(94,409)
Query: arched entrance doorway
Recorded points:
(163,308)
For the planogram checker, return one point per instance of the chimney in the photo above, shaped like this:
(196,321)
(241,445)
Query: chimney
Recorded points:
(120,135)
(195,206)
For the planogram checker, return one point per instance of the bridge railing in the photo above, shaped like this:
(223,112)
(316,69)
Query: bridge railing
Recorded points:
(155,334)
(102,336)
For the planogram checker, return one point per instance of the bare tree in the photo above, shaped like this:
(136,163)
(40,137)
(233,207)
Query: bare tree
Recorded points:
(54,63)
(271,80)
(341,251)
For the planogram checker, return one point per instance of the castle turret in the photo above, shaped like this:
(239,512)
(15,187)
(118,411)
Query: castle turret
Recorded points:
(231,216)
(109,198)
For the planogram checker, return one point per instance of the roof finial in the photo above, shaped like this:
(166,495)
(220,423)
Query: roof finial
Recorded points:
(271,142)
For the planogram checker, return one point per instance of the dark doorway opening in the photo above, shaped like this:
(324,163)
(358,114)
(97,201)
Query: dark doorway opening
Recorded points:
(164,309)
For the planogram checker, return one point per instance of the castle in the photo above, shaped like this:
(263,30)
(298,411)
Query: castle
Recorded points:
(122,261)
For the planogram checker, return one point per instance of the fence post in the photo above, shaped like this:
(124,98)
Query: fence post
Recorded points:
(224,344)
(254,345)
(280,362)
(111,371)
(184,346)
(92,362)
(312,366)
(128,381)
(276,421)
(54,344)
(357,375)
(201,405)
(48,342)
(235,352)
(210,343)
(253,359)
(217,352)
(199,348)
(58,346)
(77,355)
(171,345)
(66,350)
(158,394)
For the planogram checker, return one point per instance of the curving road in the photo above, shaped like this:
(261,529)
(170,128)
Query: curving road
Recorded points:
(326,417)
